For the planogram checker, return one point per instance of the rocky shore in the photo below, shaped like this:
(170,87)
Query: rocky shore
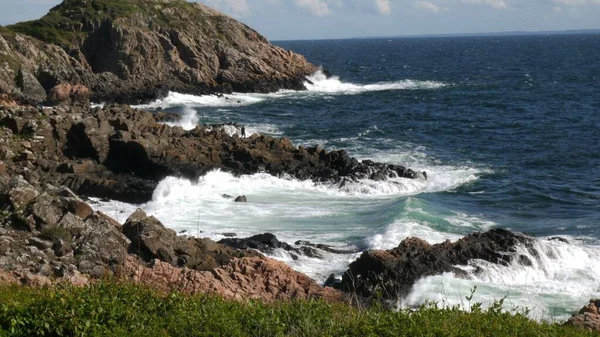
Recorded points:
(52,158)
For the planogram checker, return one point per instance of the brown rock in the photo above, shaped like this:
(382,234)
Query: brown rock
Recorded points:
(2,167)
(241,279)
(66,93)
(588,317)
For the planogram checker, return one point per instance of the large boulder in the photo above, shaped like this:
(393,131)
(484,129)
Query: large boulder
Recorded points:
(392,273)
(150,239)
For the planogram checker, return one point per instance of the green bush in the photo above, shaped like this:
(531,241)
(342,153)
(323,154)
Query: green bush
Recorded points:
(111,309)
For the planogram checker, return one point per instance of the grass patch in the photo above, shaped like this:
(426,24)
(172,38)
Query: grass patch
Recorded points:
(110,309)
(55,233)
(68,24)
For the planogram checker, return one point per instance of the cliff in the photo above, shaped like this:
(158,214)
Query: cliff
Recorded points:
(136,50)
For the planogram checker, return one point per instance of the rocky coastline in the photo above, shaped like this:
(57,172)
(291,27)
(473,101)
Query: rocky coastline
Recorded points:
(53,158)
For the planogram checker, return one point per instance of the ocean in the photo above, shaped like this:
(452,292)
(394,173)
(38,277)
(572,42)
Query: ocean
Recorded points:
(506,127)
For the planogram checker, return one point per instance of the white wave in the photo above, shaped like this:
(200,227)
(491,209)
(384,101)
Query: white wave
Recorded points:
(561,278)
(316,84)
(417,221)
(229,100)
(319,82)
(317,268)
(287,207)
(189,119)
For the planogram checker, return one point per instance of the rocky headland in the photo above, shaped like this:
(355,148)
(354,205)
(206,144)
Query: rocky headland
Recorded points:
(52,158)
(137,50)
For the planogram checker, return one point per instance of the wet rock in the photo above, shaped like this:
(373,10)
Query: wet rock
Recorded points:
(327,248)
(391,273)
(588,317)
(559,239)
(266,242)
(241,198)
(333,282)
(229,235)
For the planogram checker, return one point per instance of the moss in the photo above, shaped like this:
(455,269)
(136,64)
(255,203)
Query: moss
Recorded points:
(68,24)
(55,233)
(11,62)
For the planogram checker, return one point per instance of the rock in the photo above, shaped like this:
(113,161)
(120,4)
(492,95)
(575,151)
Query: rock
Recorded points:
(39,243)
(248,278)
(151,240)
(327,248)
(559,239)
(2,167)
(27,155)
(588,317)
(332,282)
(100,243)
(229,235)
(6,153)
(21,193)
(266,242)
(241,198)
(61,248)
(142,60)
(392,273)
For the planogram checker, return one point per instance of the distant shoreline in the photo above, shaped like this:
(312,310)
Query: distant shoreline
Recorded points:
(492,34)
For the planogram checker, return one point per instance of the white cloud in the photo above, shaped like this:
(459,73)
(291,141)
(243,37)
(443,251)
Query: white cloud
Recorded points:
(384,7)
(426,5)
(496,4)
(577,2)
(315,7)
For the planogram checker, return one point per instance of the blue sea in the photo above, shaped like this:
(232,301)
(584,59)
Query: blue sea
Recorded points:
(507,128)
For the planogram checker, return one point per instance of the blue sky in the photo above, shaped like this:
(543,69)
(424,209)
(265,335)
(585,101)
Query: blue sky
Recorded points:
(317,19)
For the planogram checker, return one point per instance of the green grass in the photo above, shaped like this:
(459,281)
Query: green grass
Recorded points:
(67,25)
(110,309)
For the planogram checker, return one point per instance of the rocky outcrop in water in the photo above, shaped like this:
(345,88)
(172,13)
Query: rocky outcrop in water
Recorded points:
(588,317)
(267,243)
(390,274)
(121,153)
(137,50)
(48,235)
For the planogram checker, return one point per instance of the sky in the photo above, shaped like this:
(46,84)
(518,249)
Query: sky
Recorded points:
(322,19)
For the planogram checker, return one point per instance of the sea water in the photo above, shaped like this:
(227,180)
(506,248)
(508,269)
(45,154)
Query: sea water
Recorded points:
(507,128)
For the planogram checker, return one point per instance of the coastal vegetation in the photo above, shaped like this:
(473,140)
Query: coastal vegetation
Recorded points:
(108,308)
